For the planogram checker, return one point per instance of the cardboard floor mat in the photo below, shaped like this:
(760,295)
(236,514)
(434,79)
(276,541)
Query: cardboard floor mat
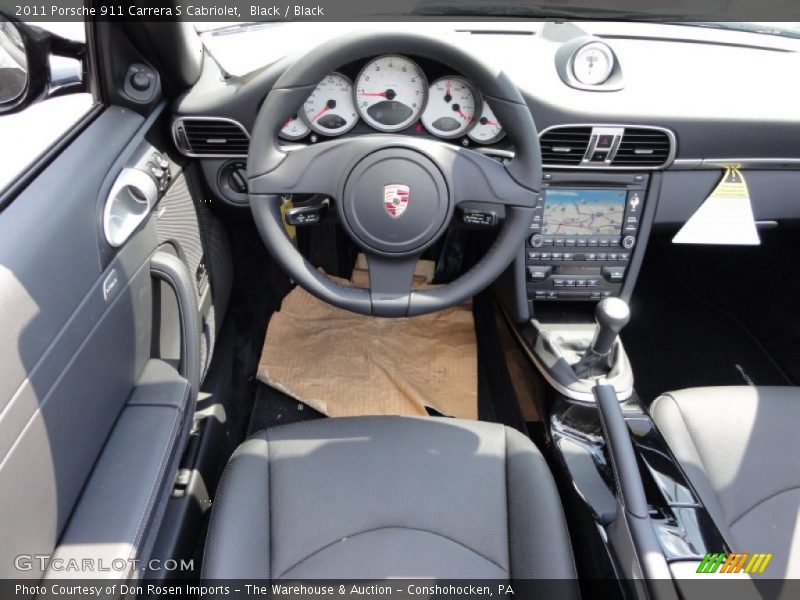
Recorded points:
(344,364)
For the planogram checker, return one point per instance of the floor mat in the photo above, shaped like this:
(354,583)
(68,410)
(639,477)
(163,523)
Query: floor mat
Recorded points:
(677,340)
(343,364)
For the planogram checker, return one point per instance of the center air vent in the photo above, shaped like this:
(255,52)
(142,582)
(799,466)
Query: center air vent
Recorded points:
(565,145)
(210,136)
(642,147)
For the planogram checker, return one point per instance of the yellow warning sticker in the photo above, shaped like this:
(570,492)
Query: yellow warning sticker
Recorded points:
(725,217)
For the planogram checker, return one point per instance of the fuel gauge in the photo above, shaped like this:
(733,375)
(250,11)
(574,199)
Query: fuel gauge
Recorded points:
(294,128)
(487,130)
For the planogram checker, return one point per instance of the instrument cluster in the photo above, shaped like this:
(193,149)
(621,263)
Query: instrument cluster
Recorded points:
(391,93)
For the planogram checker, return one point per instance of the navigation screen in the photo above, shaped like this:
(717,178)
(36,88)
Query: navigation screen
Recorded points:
(583,212)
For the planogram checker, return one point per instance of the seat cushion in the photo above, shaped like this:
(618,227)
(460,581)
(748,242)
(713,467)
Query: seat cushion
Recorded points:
(383,497)
(740,449)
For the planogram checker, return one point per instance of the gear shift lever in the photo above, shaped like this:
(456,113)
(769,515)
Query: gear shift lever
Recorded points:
(612,315)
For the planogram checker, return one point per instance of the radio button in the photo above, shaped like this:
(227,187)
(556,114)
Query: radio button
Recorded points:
(568,256)
(614,274)
(558,241)
(624,256)
(604,242)
(539,273)
(546,256)
(591,256)
(534,255)
(582,242)
(570,243)
(592,242)
(602,256)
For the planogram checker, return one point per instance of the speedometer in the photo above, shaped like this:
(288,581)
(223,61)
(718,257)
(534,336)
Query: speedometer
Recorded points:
(329,109)
(487,130)
(390,92)
(451,107)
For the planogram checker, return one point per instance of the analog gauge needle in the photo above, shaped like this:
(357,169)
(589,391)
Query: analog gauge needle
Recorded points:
(389,94)
(328,105)
(447,96)
(465,116)
(485,121)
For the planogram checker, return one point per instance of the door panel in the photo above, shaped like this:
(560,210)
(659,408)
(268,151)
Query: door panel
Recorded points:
(75,334)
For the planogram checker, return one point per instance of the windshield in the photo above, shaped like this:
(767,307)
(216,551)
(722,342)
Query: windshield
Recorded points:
(243,47)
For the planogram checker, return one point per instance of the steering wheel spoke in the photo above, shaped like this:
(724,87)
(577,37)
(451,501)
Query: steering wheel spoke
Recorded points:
(390,282)
(309,169)
(479,178)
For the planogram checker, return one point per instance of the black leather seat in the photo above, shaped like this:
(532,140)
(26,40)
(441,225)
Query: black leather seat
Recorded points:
(740,448)
(379,497)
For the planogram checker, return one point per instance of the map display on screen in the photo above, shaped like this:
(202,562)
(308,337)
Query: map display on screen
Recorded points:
(583,212)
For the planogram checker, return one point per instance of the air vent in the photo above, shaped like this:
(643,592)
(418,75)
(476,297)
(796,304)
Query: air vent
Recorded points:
(642,147)
(211,136)
(565,145)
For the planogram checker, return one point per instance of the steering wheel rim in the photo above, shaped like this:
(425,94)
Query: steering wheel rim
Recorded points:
(351,170)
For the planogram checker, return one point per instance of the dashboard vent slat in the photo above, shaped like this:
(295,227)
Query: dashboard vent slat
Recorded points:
(643,148)
(211,137)
(565,145)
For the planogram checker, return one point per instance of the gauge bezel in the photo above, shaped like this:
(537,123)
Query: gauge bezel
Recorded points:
(390,128)
(294,138)
(327,132)
(602,47)
(493,140)
(477,97)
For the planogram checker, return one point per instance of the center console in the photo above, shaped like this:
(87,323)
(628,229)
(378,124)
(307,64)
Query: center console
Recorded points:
(584,231)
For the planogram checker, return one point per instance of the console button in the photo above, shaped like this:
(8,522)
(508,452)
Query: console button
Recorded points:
(590,256)
(614,274)
(580,283)
(546,256)
(628,242)
(539,273)
(534,255)
(582,241)
(592,283)
(602,256)
(551,295)
(604,242)
(624,256)
(536,240)
(568,256)
(558,241)
(558,283)
(556,255)
(569,283)
(548,241)
(570,242)
(593,242)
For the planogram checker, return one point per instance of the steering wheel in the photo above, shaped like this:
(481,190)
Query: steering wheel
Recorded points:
(357,172)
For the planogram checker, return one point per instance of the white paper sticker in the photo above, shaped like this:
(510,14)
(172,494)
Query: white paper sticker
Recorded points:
(726,216)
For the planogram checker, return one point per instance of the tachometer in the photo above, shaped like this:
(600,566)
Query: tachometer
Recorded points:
(329,109)
(451,107)
(390,92)
(294,128)
(487,130)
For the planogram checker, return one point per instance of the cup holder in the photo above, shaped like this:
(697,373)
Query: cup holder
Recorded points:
(132,196)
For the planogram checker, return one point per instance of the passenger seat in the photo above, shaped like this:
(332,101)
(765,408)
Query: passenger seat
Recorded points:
(740,448)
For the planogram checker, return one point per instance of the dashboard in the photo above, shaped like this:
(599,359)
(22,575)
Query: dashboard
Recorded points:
(396,94)
(636,123)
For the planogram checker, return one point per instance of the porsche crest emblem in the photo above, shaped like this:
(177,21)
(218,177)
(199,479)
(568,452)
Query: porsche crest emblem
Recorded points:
(395,199)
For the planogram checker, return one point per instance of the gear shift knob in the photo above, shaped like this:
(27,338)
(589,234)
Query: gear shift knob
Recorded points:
(612,315)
